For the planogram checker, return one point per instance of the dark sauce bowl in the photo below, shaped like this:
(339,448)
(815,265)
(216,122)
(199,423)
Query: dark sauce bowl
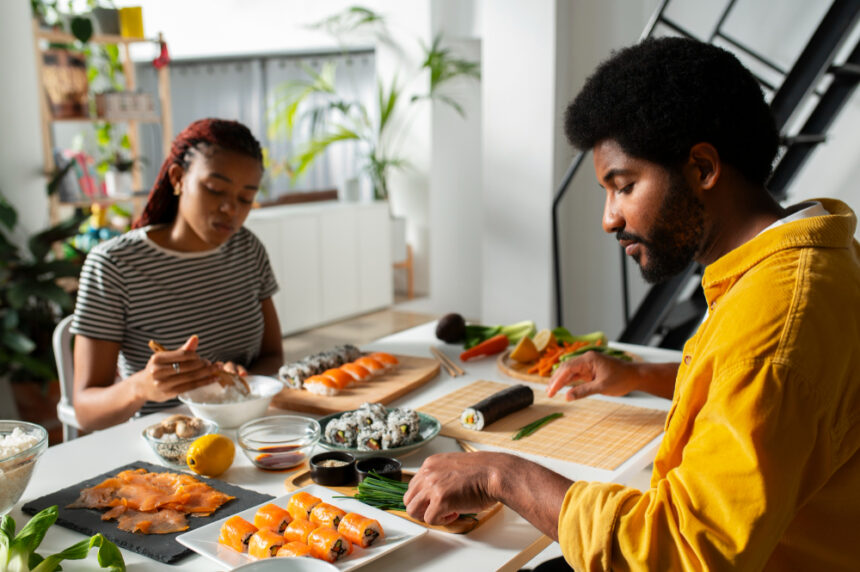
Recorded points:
(382,466)
(341,474)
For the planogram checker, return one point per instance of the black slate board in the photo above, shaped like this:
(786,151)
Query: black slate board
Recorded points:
(160,547)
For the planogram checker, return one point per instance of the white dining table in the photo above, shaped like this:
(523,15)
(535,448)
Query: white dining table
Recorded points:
(505,541)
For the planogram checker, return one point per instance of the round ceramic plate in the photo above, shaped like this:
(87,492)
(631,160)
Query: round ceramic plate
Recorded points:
(428,428)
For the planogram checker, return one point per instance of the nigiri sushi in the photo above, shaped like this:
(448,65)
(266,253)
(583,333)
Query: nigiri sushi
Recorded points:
(360,530)
(328,544)
(322,385)
(370,364)
(236,532)
(358,372)
(339,376)
(387,360)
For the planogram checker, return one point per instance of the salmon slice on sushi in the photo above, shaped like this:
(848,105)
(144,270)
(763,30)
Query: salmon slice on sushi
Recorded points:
(327,515)
(299,529)
(339,376)
(322,385)
(236,532)
(358,372)
(328,544)
(301,504)
(265,543)
(360,530)
(272,517)
(372,365)
(294,549)
(387,360)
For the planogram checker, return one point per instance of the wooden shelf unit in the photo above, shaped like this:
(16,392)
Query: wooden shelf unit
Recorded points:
(47,36)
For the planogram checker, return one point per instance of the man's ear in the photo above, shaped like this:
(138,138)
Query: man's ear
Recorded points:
(706,165)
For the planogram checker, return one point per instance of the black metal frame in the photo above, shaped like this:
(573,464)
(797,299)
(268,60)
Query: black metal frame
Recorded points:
(661,313)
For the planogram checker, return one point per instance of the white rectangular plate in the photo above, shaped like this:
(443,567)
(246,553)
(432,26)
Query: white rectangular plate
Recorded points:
(398,532)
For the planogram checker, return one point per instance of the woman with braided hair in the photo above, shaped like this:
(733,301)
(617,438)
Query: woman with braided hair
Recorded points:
(188,275)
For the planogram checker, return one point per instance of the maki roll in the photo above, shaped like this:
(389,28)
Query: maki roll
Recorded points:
(294,374)
(328,544)
(298,530)
(348,352)
(301,504)
(327,515)
(404,422)
(265,543)
(360,530)
(370,437)
(236,532)
(496,406)
(294,549)
(272,517)
(392,437)
(370,413)
(342,431)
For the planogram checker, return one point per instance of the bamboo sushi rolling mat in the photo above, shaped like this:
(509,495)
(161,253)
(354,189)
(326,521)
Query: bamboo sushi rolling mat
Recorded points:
(592,432)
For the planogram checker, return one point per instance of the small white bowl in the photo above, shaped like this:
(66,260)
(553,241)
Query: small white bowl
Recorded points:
(231,415)
(288,565)
(16,470)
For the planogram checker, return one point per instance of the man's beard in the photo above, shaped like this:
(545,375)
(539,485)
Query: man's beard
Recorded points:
(676,235)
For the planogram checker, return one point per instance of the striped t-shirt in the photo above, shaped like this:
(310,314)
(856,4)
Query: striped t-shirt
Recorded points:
(132,291)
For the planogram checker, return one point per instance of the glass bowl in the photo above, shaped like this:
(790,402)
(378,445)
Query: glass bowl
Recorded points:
(232,414)
(170,448)
(278,442)
(21,444)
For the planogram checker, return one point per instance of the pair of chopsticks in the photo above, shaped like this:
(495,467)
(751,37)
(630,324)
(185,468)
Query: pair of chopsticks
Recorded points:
(452,368)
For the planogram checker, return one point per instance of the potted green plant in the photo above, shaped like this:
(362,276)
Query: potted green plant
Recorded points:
(32,300)
(335,118)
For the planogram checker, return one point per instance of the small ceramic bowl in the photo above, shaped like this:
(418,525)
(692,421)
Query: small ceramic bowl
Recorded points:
(333,469)
(278,442)
(382,466)
(231,413)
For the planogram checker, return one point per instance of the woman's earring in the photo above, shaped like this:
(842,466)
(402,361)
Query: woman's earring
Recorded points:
(177,189)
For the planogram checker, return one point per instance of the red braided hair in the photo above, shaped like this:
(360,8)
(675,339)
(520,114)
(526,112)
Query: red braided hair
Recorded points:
(162,205)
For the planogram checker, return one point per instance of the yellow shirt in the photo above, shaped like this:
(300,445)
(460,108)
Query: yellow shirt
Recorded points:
(759,467)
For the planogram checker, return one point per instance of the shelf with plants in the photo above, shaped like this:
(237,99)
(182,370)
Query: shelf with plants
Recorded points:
(116,128)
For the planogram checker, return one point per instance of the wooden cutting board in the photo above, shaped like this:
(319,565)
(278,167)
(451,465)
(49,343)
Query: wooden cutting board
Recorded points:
(460,526)
(411,372)
(593,432)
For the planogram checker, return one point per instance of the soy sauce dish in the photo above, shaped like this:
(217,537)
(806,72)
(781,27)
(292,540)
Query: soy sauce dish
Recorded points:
(333,469)
(382,466)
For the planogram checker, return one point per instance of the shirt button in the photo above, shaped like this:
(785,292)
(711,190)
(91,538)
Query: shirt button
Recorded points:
(687,359)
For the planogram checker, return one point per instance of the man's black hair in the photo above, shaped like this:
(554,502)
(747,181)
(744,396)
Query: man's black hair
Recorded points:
(662,96)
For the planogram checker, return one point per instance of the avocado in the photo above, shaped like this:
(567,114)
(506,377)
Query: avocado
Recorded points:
(451,328)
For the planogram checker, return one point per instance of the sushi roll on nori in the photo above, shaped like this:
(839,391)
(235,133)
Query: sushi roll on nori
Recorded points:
(405,422)
(370,437)
(295,374)
(370,413)
(331,359)
(392,438)
(349,352)
(342,432)
(496,406)
(312,365)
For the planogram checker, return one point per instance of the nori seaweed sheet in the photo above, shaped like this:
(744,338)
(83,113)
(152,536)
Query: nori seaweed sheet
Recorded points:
(504,402)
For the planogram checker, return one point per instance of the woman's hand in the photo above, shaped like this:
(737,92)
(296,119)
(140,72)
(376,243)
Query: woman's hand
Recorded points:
(233,368)
(171,372)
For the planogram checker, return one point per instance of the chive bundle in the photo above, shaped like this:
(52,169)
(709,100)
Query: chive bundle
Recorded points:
(527,430)
(381,492)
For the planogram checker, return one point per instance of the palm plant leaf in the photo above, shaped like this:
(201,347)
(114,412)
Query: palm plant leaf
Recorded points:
(349,20)
(317,146)
(387,102)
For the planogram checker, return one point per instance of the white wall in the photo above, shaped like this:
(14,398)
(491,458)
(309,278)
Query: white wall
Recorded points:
(20,135)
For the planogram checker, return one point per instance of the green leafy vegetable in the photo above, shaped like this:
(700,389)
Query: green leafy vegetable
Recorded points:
(18,552)
(592,348)
(527,430)
(476,333)
(595,338)
(381,492)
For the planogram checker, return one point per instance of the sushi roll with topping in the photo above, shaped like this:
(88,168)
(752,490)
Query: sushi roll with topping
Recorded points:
(327,515)
(322,385)
(360,530)
(339,376)
(388,361)
(236,532)
(328,544)
(371,365)
(358,373)
(370,437)
(496,406)
(294,549)
(349,352)
(298,530)
(301,504)
(265,543)
(406,422)
(342,431)
(272,517)
(294,374)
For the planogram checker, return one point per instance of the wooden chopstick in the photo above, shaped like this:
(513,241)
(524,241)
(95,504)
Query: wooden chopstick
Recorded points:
(453,369)
(467,447)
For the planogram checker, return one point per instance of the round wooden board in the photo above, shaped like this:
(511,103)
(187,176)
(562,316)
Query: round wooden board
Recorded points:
(518,370)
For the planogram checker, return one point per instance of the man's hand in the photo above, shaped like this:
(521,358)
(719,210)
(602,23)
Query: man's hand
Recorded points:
(612,376)
(451,484)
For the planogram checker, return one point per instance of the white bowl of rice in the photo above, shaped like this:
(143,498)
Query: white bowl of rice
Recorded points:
(229,408)
(21,444)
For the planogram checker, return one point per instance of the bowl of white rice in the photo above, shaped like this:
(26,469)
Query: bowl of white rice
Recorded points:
(21,444)
(229,408)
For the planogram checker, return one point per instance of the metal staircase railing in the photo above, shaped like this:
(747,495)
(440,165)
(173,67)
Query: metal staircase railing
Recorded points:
(672,310)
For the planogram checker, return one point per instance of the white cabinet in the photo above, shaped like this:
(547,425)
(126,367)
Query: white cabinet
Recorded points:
(331,260)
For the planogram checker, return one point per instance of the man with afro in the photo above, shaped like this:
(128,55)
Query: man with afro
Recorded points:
(759,467)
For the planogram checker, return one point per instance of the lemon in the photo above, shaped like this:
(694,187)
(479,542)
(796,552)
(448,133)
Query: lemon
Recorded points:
(210,455)
(525,351)
(543,339)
